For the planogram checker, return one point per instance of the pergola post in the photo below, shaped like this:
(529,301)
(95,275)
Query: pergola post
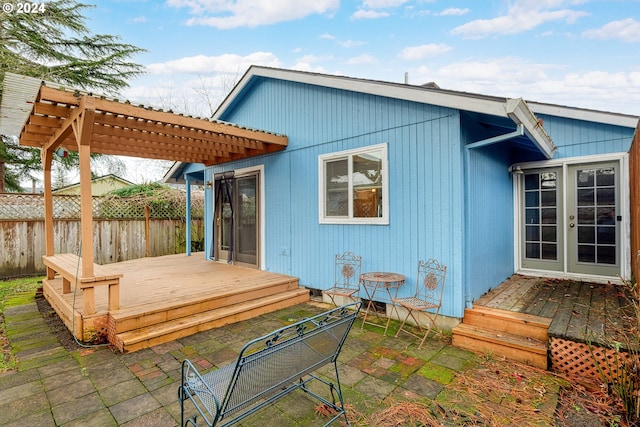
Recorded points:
(83,128)
(47,158)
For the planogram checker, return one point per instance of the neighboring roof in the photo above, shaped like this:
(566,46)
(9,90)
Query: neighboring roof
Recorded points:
(514,109)
(47,117)
(109,177)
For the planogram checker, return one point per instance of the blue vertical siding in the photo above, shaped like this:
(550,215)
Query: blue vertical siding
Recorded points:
(425,182)
(489,232)
(581,138)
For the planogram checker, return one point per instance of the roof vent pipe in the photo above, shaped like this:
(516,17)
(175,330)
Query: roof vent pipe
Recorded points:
(406,78)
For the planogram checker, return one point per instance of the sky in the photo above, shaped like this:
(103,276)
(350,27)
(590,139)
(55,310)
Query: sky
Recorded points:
(580,53)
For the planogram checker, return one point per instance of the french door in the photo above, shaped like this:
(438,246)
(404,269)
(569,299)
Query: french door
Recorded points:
(237,218)
(571,219)
(594,217)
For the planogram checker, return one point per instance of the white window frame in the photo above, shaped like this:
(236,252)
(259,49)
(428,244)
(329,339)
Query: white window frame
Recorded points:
(348,154)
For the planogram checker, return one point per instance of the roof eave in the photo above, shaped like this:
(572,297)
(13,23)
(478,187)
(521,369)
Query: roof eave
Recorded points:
(520,113)
(459,101)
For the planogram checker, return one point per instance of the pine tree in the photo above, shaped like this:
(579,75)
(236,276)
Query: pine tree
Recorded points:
(54,44)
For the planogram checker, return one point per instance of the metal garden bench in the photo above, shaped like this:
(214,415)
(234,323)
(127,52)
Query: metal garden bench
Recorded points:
(269,368)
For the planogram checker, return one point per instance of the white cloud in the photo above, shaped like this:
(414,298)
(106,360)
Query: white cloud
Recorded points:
(362,59)
(369,14)
(383,4)
(627,30)
(207,65)
(312,59)
(522,15)
(306,66)
(414,53)
(517,77)
(351,43)
(454,11)
(227,14)
(328,36)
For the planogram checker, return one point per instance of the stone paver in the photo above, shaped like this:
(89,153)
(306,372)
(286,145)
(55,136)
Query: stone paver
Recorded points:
(101,387)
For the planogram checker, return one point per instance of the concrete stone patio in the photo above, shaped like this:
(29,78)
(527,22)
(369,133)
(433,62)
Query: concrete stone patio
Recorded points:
(55,386)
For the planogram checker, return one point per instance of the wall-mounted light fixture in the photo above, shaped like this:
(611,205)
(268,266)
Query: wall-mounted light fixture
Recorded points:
(516,170)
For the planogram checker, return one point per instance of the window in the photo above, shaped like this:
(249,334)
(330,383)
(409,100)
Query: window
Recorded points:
(353,186)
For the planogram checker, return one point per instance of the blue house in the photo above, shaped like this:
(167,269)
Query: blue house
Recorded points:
(397,173)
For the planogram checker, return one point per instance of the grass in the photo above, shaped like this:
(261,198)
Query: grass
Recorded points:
(16,290)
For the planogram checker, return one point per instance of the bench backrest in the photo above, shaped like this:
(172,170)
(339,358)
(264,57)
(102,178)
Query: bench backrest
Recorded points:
(268,364)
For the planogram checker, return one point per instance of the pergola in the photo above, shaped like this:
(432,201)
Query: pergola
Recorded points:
(89,124)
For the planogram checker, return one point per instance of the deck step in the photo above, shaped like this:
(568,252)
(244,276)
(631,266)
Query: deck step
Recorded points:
(515,336)
(147,315)
(190,324)
(513,347)
(522,324)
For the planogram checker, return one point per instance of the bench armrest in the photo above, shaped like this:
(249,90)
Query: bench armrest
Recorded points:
(195,388)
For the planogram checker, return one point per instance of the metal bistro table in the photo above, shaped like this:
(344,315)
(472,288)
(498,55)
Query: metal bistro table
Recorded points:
(371,282)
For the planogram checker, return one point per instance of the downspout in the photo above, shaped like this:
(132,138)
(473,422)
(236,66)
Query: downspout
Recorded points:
(482,143)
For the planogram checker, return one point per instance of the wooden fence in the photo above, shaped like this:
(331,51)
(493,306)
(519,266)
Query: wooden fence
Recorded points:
(22,242)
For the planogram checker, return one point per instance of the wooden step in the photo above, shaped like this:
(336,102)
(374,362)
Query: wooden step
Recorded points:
(498,343)
(134,318)
(149,336)
(521,324)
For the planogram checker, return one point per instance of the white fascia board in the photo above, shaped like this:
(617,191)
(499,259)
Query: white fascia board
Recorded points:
(520,113)
(465,102)
(616,119)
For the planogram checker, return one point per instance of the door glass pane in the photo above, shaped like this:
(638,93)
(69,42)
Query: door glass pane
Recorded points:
(367,185)
(533,233)
(532,198)
(541,216)
(596,196)
(337,188)
(549,251)
(586,216)
(247,216)
(549,234)
(586,234)
(532,182)
(585,197)
(606,196)
(587,253)
(585,178)
(606,177)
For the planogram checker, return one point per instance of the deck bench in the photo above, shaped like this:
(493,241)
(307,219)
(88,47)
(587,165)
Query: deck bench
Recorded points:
(268,368)
(69,267)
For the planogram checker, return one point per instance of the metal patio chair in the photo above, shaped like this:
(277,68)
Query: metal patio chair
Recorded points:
(346,278)
(427,299)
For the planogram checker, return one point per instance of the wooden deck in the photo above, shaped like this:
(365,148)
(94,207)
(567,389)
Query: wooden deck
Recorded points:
(579,311)
(164,298)
(548,323)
